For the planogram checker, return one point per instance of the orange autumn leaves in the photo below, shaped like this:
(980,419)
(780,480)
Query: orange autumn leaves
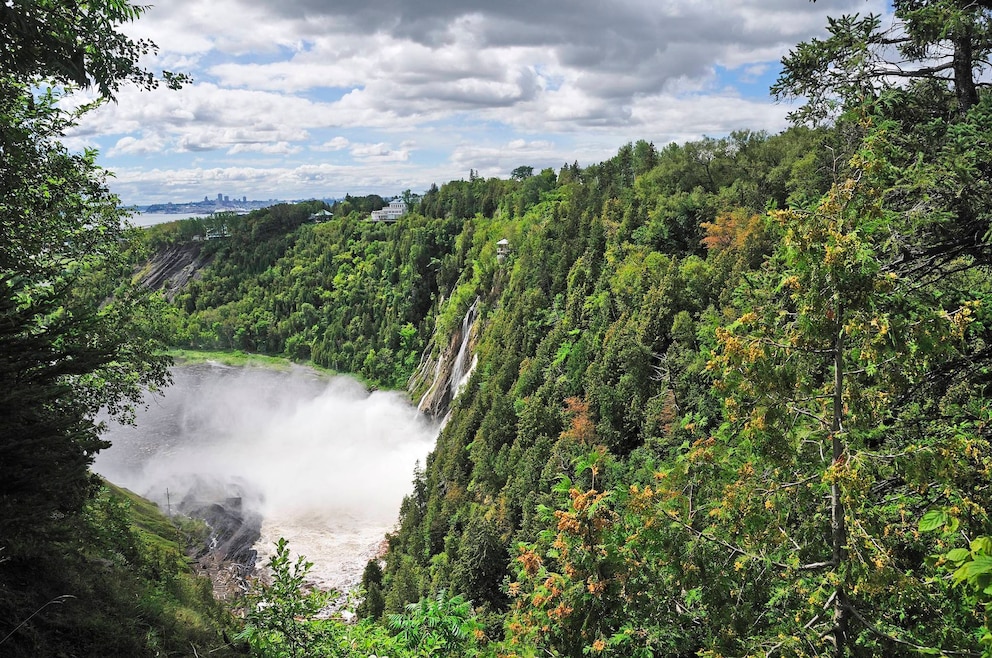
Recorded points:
(731,230)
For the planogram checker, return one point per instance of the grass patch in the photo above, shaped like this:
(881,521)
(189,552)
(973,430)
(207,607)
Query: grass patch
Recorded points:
(239,359)
(118,584)
(234,358)
(154,527)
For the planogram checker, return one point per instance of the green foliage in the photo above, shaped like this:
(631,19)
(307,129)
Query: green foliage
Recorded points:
(373,602)
(346,294)
(50,40)
(122,586)
(281,618)
(75,335)
(972,569)
(438,626)
(942,41)
(718,383)
(756,367)
(597,336)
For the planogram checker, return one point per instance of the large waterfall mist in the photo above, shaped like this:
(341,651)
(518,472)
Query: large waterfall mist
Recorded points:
(324,462)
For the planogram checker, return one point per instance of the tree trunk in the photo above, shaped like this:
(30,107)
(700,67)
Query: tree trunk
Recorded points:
(838,534)
(964,74)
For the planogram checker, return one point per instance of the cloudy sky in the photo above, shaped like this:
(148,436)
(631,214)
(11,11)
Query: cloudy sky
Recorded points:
(316,98)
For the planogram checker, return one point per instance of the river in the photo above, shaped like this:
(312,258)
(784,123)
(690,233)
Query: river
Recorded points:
(325,462)
(146,219)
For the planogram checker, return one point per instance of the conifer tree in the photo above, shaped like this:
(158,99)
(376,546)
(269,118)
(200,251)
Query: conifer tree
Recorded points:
(830,463)
(73,339)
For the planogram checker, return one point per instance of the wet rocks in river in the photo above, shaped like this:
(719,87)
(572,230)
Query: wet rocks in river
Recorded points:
(231,512)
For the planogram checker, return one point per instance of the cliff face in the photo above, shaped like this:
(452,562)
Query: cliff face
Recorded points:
(172,267)
(445,371)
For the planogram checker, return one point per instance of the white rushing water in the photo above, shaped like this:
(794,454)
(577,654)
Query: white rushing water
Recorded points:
(461,371)
(328,462)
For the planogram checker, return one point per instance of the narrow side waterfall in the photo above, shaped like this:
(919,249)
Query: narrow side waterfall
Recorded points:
(452,367)
(435,382)
(460,370)
(324,462)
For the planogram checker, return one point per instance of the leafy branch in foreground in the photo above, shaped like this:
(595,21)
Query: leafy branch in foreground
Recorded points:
(281,619)
(972,569)
(439,626)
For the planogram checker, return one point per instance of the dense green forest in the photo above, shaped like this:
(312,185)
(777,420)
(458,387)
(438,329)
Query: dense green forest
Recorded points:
(730,397)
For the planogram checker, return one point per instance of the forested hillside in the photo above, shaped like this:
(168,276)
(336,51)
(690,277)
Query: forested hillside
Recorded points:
(679,392)
(693,364)
(731,396)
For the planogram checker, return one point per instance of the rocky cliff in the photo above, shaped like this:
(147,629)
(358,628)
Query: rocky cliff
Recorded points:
(172,267)
(445,371)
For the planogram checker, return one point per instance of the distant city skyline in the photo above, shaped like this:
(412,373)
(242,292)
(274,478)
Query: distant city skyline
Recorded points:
(208,204)
(298,99)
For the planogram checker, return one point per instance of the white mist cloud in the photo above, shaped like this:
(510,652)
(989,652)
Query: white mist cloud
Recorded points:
(325,462)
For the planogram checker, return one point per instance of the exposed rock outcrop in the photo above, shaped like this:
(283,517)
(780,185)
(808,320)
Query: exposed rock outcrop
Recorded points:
(172,267)
(235,527)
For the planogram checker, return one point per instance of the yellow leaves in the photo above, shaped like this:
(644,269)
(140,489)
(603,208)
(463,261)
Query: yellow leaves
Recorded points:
(727,339)
(598,645)
(702,450)
(582,428)
(784,217)
(731,405)
(567,522)
(530,560)
(513,589)
(887,283)
(757,421)
(731,230)
(580,501)
(640,500)
(881,327)
(962,318)
(755,352)
(833,254)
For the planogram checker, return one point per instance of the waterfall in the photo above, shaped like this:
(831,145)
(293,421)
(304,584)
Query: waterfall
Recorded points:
(452,368)
(460,372)
(322,461)
(434,382)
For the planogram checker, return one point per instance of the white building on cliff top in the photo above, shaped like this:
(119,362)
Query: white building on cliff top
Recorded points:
(390,213)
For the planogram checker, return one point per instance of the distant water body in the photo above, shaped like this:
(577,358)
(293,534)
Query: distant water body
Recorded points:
(152,218)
